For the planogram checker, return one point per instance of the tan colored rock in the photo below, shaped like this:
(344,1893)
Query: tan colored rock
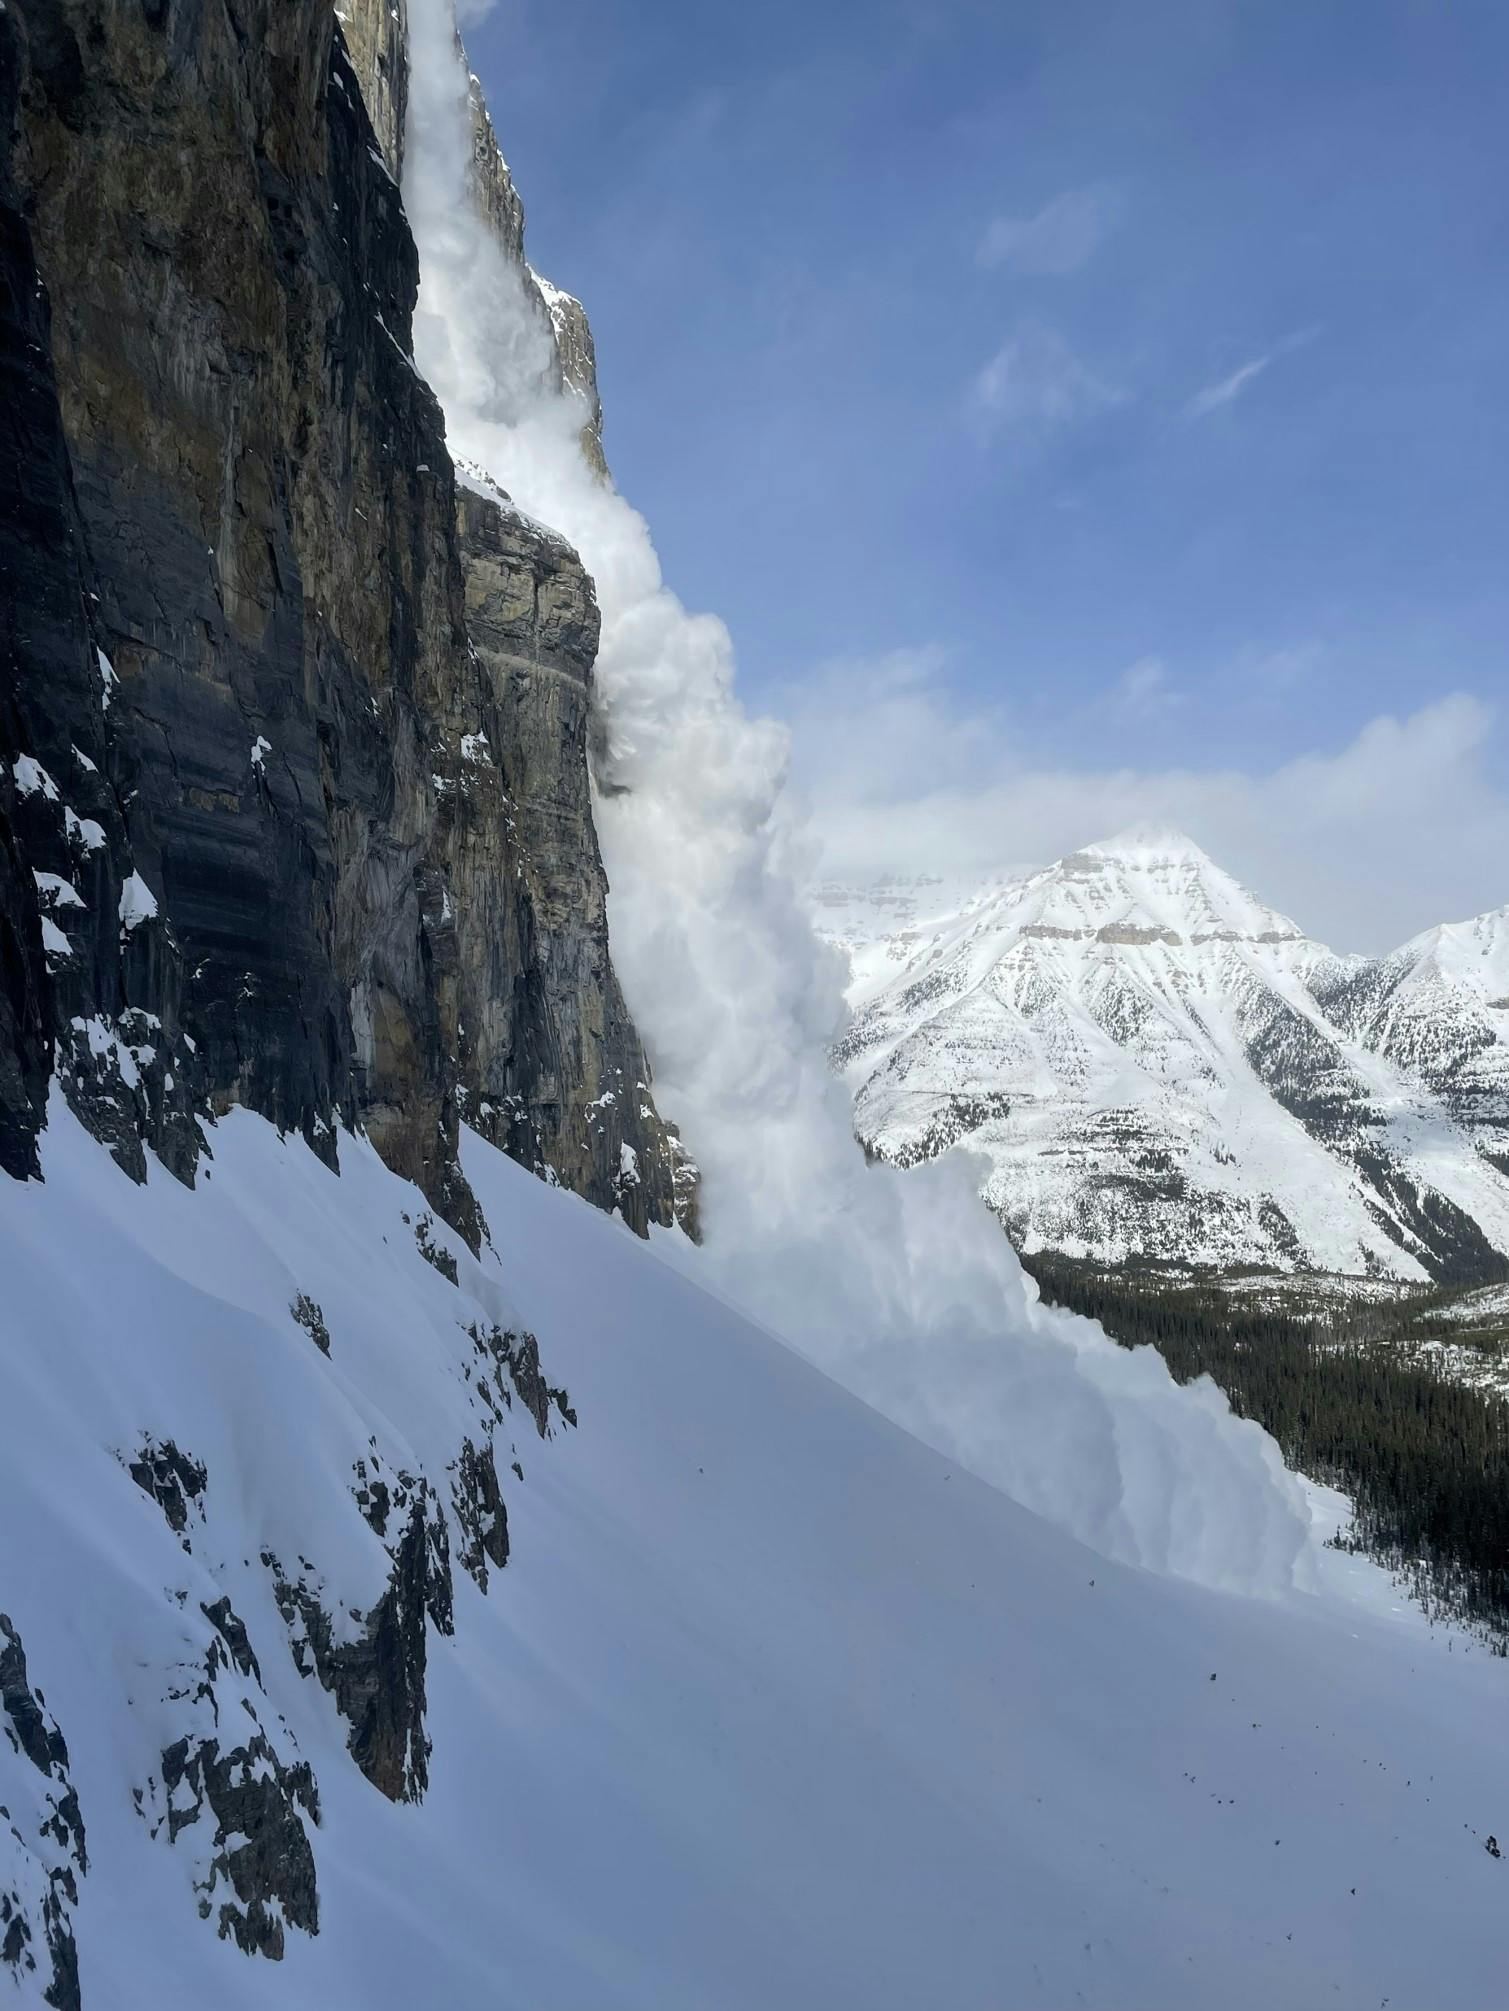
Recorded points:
(377,33)
(568,1061)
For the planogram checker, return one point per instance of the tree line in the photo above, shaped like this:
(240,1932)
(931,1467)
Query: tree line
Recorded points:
(1424,1458)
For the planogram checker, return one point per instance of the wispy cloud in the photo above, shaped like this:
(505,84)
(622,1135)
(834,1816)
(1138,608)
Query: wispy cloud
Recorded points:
(1035,383)
(1216,395)
(1274,674)
(1144,689)
(1222,393)
(1063,235)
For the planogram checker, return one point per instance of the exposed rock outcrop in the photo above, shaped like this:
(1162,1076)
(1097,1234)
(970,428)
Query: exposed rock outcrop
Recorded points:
(576,353)
(301,843)
(377,36)
(516,1357)
(477,1500)
(254,456)
(174,1480)
(40,1807)
(231,1798)
(70,966)
(558,1060)
(308,1315)
(377,1680)
(260,1848)
(573,356)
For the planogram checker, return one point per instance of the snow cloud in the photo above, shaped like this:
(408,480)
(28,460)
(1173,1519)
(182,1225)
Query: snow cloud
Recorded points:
(900,1285)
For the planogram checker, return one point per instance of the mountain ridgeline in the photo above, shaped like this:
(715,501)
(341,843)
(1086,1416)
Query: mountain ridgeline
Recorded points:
(1159,1069)
(294,798)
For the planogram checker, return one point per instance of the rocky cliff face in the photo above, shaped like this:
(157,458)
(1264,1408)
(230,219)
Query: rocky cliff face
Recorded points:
(302,839)
(376,34)
(556,1058)
(90,973)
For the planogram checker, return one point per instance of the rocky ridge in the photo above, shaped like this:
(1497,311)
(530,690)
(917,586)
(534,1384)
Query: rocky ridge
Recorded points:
(571,351)
(1437,1009)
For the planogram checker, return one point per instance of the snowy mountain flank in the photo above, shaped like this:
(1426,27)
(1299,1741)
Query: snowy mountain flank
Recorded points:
(341,1667)
(456,1548)
(1154,1065)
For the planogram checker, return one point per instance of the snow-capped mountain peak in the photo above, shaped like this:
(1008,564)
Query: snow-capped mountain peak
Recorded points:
(1473,954)
(1158,1065)
(1149,885)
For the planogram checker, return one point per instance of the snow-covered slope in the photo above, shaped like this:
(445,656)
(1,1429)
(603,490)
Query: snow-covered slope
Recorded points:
(1155,1064)
(889,924)
(769,1705)
(1438,1010)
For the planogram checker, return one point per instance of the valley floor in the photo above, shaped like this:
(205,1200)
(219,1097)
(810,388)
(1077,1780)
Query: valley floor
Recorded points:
(1464,1334)
(771,1705)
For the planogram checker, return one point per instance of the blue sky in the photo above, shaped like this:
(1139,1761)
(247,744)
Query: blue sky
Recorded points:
(1127,378)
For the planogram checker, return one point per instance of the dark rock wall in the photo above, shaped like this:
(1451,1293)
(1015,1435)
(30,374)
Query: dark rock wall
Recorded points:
(249,508)
(65,855)
(35,517)
(232,279)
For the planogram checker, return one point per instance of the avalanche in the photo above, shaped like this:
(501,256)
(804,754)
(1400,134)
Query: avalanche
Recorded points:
(903,1288)
(389,1625)
(771,1704)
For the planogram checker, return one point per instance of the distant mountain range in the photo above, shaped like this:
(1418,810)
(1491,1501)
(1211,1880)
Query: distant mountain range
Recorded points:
(1155,1066)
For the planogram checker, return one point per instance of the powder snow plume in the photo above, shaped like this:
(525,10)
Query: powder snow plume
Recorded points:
(901,1286)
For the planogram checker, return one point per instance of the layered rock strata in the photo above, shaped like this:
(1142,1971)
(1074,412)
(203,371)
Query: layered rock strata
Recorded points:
(269,809)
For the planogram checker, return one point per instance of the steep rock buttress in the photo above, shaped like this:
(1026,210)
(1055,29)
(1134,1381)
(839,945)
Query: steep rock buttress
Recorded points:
(288,808)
